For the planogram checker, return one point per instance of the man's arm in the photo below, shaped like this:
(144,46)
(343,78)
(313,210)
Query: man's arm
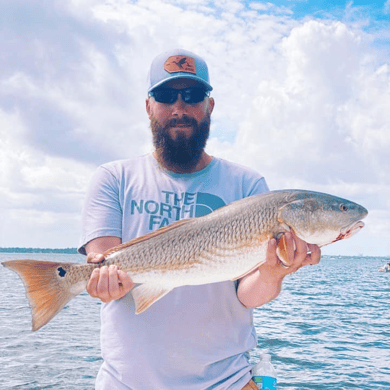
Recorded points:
(265,283)
(106,283)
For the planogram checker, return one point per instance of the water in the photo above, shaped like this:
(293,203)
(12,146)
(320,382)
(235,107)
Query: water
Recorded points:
(329,329)
(62,355)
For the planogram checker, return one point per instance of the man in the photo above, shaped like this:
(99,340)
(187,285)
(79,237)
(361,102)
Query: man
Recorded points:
(196,337)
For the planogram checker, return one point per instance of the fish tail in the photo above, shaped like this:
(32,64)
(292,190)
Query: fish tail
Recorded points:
(47,289)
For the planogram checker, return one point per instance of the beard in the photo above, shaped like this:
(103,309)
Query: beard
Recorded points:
(185,151)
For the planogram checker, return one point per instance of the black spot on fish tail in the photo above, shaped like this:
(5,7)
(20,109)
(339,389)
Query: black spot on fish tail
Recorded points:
(61,272)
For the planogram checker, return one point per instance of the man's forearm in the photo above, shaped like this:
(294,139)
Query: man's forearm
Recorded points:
(255,289)
(265,284)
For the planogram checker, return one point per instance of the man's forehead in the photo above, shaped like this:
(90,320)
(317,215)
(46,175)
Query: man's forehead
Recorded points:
(181,83)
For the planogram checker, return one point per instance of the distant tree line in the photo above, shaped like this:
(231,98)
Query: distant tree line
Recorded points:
(39,250)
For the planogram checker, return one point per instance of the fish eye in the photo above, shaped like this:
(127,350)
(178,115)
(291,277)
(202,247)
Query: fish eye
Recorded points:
(343,207)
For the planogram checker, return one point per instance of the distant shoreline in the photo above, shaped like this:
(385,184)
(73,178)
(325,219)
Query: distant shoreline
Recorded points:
(39,250)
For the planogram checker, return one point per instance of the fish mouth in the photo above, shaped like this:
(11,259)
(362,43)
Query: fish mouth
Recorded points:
(350,230)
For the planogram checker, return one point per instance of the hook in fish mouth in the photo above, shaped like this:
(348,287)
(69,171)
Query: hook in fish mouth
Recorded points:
(350,230)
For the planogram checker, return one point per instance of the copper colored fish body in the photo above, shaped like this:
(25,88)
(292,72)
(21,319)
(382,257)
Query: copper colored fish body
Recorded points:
(224,245)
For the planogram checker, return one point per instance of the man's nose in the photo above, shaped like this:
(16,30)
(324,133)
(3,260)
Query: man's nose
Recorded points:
(179,108)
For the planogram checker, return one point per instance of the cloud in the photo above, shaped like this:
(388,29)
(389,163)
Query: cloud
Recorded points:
(38,192)
(68,82)
(321,121)
(318,108)
(386,7)
(302,101)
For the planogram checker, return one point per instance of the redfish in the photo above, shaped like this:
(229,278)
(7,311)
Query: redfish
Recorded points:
(224,245)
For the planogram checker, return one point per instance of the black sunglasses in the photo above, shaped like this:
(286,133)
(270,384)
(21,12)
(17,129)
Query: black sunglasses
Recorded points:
(190,95)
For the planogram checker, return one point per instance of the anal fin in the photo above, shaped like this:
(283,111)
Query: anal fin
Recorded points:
(147,294)
(249,271)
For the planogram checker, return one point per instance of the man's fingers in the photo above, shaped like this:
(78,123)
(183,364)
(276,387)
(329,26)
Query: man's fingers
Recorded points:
(272,258)
(102,287)
(113,282)
(126,283)
(109,283)
(294,251)
(315,255)
(95,258)
(93,282)
(301,248)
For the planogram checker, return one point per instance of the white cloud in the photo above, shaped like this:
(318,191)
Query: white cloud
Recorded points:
(386,7)
(321,122)
(317,67)
(37,192)
(264,7)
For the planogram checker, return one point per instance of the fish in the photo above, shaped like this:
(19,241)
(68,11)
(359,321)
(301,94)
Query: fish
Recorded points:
(225,245)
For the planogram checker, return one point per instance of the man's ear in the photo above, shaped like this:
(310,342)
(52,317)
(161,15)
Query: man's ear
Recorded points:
(211,105)
(148,108)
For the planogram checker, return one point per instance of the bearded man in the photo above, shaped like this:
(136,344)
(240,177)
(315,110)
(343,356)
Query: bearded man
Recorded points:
(196,337)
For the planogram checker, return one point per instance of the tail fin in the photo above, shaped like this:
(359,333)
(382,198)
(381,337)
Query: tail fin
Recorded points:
(47,289)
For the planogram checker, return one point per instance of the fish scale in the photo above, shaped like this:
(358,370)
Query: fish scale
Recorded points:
(224,245)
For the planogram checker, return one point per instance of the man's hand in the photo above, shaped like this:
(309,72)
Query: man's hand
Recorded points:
(107,283)
(265,283)
(299,252)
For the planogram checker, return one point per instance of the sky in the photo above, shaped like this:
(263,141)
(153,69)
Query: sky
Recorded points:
(302,92)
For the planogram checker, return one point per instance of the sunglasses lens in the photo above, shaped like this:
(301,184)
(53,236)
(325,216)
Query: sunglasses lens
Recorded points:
(169,95)
(193,95)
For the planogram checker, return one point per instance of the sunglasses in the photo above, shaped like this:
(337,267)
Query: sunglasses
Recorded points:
(169,95)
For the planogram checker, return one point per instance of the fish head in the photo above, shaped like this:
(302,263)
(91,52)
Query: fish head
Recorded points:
(321,219)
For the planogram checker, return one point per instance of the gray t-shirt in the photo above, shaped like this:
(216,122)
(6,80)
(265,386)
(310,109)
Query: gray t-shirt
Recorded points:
(196,337)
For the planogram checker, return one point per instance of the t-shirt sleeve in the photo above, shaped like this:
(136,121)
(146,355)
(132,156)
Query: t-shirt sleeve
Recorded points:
(102,212)
(259,187)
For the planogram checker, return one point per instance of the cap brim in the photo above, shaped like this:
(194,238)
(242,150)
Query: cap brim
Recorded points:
(183,76)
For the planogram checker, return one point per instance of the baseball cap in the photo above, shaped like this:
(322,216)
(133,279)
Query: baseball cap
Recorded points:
(178,64)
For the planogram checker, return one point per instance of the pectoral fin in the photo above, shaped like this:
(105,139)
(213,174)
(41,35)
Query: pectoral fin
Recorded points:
(281,250)
(147,294)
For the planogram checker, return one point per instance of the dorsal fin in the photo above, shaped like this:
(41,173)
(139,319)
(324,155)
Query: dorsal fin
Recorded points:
(148,236)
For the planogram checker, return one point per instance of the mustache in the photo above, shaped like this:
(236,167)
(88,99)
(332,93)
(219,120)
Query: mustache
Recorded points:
(185,120)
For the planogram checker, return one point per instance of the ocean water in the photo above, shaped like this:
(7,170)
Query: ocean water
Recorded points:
(329,329)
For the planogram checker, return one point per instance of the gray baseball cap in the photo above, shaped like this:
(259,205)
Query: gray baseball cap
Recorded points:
(178,64)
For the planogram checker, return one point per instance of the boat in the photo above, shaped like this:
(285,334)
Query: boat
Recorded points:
(385,268)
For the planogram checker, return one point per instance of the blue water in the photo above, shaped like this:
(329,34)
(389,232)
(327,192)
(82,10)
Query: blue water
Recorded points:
(329,329)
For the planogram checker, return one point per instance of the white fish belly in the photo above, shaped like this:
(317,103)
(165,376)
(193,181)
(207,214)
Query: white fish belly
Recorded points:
(216,267)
